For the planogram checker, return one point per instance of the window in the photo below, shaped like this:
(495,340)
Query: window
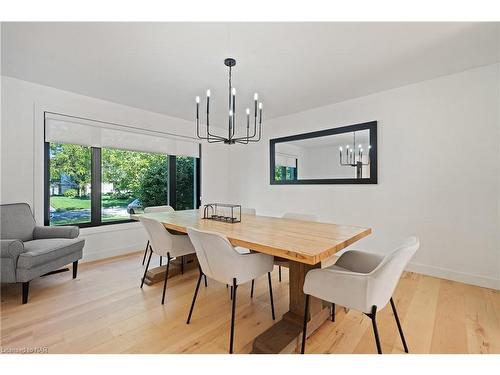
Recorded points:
(138,179)
(91,186)
(282,173)
(69,184)
(186,184)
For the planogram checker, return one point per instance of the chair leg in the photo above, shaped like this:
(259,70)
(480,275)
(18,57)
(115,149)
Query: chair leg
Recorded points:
(205,277)
(147,266)
(231,292)
(251,290)
(373,317)
(233,309)
(161,261)
(304,328)
(333,312)
(194,297)
(145,253)
(399,326)
(165,282)
(279,273)
(182,265)
(270,293)
(26,289)
(75,269)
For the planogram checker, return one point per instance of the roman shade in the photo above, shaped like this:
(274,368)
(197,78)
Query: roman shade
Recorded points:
(284,160)
(68,129)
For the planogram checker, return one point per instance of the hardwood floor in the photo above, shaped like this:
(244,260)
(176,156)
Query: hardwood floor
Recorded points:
(105,311)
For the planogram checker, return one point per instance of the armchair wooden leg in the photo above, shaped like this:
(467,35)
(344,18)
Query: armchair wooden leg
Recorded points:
(251,290)
(75,269)
(26,289)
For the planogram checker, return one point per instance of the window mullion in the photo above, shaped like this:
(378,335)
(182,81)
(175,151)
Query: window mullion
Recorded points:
(172,181)
(95,187)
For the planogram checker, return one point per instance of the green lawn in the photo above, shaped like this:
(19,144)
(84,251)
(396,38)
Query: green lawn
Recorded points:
(62,203)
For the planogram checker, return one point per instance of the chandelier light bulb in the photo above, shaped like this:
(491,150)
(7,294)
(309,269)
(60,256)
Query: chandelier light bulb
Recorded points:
(197,99)
(340,148)
(255,96)
(208,93)
(260,105)
(248,111)
(347,146)
(233,91)
(230,112)
(359,146)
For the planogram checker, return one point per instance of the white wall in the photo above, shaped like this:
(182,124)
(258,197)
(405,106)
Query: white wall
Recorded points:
(438,145)
(23,104)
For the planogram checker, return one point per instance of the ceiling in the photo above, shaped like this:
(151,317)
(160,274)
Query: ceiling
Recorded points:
(161,67)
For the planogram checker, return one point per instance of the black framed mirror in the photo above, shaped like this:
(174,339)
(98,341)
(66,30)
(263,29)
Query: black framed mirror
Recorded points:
(343,155)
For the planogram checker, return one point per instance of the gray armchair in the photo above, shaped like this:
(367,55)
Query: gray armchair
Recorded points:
(29,251)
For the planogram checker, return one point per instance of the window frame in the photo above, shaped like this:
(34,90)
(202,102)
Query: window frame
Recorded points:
(96,188)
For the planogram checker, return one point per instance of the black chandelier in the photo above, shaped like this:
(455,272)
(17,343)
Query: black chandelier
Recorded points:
(231,138)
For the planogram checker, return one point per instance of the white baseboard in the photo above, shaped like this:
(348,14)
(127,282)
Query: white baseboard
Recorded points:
(108,253)
(448,274)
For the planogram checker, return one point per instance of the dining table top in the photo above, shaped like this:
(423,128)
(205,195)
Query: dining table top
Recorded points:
(302,241)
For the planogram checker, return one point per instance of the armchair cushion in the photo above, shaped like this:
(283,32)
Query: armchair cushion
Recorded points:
(16,221)
(43,251)
(41,233)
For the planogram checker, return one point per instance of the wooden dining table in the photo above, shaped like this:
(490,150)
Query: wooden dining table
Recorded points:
(302,244)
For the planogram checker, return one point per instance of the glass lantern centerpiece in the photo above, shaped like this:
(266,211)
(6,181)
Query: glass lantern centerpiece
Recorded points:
(227,213)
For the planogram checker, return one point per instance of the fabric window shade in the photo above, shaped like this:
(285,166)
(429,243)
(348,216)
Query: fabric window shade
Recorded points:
(284,160)
(66,129)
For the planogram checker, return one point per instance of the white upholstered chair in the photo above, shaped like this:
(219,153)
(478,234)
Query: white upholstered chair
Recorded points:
(361,281)
(148,210)
(165,244)
(293,216)
(220,261)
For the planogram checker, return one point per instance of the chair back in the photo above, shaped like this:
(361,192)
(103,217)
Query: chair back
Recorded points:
(248,211)
(298,216)
(161,239)
(386,275)
(217,257)
(16,222)
(150,209)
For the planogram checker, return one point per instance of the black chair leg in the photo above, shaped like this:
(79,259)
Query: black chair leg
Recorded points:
(145,253)
(182,265)
(304,328)
(373,317)
(333,312)
(231,292)
(147,266)
(161,261)
(165,282)
(205,277)
(26,289)
(75,269)
(194,297)
(270,293)
(233,309)
(251,290)
(279,273)
(399,326)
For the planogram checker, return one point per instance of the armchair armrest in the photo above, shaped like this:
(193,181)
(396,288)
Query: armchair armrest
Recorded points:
(11,249)
(55,232)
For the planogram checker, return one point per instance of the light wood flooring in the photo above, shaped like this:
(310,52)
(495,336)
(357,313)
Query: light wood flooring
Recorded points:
(105,311)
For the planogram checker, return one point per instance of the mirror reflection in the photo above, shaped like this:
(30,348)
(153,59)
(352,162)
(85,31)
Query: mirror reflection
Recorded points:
(342,156)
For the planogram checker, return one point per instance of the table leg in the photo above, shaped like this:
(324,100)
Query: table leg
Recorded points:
(285,336)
